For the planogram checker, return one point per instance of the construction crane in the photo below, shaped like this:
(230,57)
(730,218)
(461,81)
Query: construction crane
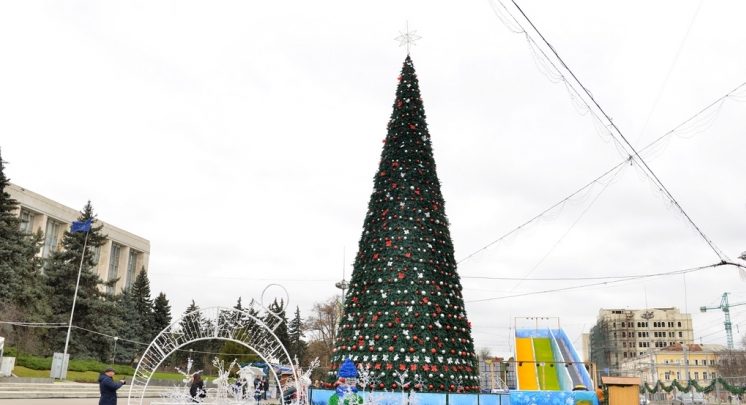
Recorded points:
(725,306)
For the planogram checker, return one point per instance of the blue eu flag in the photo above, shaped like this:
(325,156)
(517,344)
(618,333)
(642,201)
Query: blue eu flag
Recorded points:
(81,226)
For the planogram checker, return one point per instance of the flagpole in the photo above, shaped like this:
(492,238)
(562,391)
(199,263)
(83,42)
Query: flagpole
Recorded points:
(75,297)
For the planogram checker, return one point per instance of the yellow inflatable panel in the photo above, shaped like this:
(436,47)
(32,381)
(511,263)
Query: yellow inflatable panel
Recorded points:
(526,364)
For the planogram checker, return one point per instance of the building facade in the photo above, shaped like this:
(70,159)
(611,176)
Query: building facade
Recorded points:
(122,256)
(678,362)
(625,334)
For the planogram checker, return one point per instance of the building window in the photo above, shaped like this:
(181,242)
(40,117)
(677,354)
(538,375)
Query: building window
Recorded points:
(704,375)
(51,238)
(131,266)
(625,355)
(679,324)
(696,375)
(113,265)
(27,221)
(681,334)
(667,376)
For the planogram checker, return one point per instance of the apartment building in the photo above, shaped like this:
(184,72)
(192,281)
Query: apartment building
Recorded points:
(624,334)
(122,256)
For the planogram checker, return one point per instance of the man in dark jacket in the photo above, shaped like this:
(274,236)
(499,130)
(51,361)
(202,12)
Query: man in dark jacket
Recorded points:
(108,387)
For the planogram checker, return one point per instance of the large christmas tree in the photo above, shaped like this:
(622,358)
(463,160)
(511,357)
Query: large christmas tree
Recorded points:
(404,313)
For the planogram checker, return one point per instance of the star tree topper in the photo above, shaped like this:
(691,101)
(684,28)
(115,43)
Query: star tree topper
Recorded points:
(407,38)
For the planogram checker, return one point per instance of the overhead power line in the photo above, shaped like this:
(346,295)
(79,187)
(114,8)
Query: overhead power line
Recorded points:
(647,170)
(731,94)
(634,157)
(602,283)
(619,138)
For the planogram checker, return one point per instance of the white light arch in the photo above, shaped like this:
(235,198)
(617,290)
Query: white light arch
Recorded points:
(228,324)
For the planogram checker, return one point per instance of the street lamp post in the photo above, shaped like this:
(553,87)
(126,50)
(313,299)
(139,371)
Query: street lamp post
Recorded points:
(114,353)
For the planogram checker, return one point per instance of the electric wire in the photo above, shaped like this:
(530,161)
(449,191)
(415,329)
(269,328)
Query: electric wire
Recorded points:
(619,139)
(670,70)
(119,338)
(732,94)
(572,226)
(541,214)
(602,283)
(632,150)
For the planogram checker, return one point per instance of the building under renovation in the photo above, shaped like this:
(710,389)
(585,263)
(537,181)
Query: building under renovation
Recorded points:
(623,334)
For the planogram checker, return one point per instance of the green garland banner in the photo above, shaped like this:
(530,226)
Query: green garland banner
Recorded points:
(692,384)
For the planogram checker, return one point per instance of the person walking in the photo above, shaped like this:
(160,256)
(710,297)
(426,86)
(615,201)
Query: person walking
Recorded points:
(197,389)
(108,387)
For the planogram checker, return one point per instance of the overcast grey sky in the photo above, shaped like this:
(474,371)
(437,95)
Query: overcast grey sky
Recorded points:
(241,139)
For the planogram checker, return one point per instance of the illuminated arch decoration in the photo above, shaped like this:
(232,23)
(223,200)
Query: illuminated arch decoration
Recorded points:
(227,324)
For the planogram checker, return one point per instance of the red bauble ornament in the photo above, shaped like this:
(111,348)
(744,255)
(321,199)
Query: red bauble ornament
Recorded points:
(430,386)
(391,348)
(381,385)
(433,351)
(393,385)
(411,349)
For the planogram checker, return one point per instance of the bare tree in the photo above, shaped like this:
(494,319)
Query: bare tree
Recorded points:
(323,322)
(732,365)
(321,329)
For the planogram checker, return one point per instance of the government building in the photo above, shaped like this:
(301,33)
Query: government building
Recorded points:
(122,256)
(679,362)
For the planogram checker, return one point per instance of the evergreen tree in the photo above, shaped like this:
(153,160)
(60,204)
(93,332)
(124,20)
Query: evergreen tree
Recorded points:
(281,331)
(161,313)
(23,295)
(17,250)
(131,328)
(95,310)
(193,323)
(12,245)
(298,346)
(143,306)
(404,311)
